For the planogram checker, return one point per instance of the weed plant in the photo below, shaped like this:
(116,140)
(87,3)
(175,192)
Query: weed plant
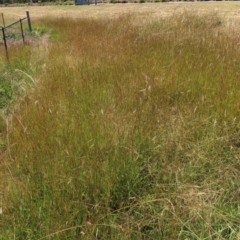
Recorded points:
(131,131)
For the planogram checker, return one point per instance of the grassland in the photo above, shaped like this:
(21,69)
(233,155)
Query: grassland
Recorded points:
(123,127)
(228,9)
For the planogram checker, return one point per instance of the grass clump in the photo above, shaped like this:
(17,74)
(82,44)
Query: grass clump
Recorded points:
(6,92)
(131,133)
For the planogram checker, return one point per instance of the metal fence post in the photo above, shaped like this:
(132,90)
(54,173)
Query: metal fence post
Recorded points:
(22,30)
(3,20)
(29,21)
(5,42)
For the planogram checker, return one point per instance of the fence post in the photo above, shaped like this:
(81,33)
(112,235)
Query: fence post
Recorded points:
(22,30)
(5,42)
(3,20)
(29,21)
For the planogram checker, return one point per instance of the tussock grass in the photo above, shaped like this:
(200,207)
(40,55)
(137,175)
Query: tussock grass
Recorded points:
(130,132)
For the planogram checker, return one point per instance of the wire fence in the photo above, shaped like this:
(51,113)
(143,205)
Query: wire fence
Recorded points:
(20,27)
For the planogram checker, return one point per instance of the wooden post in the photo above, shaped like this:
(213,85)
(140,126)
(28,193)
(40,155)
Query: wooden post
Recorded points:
(29,21)
(5,42)
(22,31)
(3,20)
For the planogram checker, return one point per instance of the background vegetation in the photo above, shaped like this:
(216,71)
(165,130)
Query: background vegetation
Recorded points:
(123,129)
(72,2)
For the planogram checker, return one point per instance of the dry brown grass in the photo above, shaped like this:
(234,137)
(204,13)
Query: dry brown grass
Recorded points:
(136,145)
(227,10)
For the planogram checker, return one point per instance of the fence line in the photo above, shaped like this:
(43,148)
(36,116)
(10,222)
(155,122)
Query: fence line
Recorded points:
(21,28)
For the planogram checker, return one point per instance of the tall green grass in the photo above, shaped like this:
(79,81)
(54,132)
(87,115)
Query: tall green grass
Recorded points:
(130,131)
